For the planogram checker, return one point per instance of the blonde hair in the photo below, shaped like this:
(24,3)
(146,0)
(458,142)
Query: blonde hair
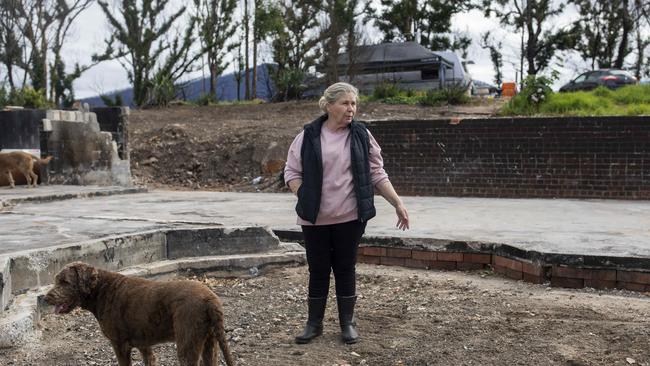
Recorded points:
(334,92)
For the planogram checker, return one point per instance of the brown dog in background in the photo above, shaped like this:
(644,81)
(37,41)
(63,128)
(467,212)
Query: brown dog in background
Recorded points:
(139,313)
(22,162)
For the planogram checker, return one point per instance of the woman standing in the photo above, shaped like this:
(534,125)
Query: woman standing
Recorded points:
(333,166)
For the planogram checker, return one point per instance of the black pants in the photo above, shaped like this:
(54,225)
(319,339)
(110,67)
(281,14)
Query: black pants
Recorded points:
(332,248)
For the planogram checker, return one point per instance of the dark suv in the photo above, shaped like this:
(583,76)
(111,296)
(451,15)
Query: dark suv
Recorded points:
(611,78)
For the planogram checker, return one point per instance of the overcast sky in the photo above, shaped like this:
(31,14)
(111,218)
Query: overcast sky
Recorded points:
(91,29)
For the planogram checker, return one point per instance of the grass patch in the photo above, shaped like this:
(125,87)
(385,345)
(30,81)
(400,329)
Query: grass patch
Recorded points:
(627,101)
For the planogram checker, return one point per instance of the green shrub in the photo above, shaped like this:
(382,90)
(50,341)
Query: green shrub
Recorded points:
(26,97)
(535,93)
(115,102)
(455,94)
(207,99)
(289,83)
(433,98)
(402,98)
(161,91)
(386,90)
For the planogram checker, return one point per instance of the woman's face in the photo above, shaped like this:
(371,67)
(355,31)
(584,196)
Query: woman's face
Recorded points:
(343,109)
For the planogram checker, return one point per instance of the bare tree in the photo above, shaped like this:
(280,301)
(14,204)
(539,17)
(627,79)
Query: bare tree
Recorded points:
(147,47)
(531,18)
(611,30)
(61,91)
(266,21)
(295,46)
(496,56)
(247,93)
(340,32)
(31,32)
(239,70)
(10,46)
(216,27)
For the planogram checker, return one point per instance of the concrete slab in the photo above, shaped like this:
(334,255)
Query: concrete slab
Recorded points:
(594,227)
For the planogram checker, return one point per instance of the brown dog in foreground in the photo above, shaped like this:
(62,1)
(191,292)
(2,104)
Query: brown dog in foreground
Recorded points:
(22,162)
(139,313)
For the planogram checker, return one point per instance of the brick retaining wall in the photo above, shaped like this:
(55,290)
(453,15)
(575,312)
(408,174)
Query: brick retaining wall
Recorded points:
(560,270)
(559,275)
(576,157)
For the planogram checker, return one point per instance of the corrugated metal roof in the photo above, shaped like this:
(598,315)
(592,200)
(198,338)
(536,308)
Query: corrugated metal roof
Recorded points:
(390,53)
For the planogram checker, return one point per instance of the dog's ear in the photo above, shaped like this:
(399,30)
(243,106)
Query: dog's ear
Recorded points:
(87,277)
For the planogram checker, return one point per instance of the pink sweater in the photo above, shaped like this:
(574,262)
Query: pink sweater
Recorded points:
(338,202)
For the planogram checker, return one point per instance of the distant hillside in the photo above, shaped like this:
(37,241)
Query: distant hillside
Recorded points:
(192,90)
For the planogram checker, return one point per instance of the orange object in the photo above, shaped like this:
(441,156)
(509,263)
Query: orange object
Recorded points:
(508,89)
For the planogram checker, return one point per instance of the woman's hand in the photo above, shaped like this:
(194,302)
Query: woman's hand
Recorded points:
(387,191)
(402,217)
(294,185)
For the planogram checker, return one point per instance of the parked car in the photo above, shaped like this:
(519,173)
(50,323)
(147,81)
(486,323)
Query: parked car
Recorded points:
(610,78)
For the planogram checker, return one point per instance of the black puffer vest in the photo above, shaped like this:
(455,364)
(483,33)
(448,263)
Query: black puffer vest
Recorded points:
(309,194)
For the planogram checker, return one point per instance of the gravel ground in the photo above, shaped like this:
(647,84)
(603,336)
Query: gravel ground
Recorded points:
(405,317)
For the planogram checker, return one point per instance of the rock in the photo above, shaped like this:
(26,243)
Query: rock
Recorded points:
(150,161)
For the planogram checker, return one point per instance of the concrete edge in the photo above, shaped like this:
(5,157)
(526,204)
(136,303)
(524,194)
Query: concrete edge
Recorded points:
(10,202)
(34,268)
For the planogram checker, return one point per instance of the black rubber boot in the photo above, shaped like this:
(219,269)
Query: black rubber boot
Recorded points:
(314,326)
(346,319)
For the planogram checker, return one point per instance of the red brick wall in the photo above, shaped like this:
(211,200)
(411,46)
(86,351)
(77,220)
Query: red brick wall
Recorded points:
(515,268)
(591,157)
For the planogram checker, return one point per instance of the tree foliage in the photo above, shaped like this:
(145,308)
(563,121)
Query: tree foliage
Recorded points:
(143,40)
(267,20)
(604,27)
(533,19)
(339,33)
(295,46)
(404,20)
(32,32)
(216,27)
(610,30)
(495,56)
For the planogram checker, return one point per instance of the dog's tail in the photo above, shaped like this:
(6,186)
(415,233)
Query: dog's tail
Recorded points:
(43,161)
(216,315)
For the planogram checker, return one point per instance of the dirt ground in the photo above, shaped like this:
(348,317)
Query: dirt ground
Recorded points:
(405,317)
(241,147)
